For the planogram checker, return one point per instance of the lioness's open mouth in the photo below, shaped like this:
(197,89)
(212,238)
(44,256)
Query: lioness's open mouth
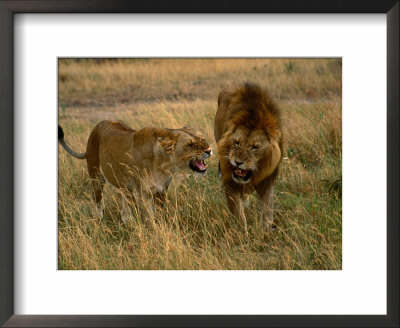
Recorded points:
(242,175)
(198,166)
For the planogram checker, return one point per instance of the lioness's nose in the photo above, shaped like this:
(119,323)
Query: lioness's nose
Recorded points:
(207,154)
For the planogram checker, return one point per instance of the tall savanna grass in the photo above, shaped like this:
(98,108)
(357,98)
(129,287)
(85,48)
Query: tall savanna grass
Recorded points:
(195,230)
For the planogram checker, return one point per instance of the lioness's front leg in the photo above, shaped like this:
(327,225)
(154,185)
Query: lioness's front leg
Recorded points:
(127,201)
(265,191)
(145,205)
(159,199)
(160,196)
(236,205)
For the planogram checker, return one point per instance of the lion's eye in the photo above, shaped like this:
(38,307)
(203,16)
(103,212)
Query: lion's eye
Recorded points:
(236,143)
(255,147)
(190,144)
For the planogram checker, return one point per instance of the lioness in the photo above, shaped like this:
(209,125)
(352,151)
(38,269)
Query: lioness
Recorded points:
(140,162)
(248,132)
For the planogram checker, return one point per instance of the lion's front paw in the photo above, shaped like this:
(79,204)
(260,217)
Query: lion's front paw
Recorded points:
(269,227)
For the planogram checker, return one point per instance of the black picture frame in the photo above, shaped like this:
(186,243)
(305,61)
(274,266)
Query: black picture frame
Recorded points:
(7,11)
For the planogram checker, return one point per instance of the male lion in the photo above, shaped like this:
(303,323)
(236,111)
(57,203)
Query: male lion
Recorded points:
(139,162)
(248,132)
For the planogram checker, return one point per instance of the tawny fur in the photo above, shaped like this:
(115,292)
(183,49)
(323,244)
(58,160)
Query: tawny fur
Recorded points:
(139,163)
(248,130)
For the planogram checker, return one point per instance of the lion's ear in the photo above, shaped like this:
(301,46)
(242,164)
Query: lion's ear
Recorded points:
(168,143)
(223,95)
(275,134)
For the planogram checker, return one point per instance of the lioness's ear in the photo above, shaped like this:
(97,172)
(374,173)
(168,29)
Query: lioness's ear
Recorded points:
(167,143)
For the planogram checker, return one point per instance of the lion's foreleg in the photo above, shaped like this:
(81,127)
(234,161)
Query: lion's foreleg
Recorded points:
(236,206)
(265,192)
(100,208)
(242,215)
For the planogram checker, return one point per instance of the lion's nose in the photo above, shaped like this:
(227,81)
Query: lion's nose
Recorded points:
(238,163)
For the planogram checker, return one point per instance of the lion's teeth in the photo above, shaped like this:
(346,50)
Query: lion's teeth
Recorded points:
(241,172)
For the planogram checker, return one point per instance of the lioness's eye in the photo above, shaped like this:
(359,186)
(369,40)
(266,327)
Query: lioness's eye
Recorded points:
(236,142)
(255,147)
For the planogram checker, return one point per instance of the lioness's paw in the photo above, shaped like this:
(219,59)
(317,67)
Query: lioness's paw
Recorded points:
(125,218)
(98,213)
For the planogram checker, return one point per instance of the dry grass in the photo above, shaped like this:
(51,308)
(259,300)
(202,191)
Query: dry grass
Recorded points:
(195,230)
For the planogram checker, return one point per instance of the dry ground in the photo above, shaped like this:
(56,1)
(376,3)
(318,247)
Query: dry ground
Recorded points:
(196,231)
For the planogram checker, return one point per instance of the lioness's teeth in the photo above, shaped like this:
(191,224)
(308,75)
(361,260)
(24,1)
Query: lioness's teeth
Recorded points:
(200,165)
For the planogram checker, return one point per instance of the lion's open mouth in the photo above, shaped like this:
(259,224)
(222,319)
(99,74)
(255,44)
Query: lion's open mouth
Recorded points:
(198,165)
(241,174)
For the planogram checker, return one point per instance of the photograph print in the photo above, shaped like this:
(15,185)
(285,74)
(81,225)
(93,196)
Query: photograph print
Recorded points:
(199,164)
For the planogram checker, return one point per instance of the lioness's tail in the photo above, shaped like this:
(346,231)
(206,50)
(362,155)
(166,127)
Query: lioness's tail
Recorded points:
(66,147)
